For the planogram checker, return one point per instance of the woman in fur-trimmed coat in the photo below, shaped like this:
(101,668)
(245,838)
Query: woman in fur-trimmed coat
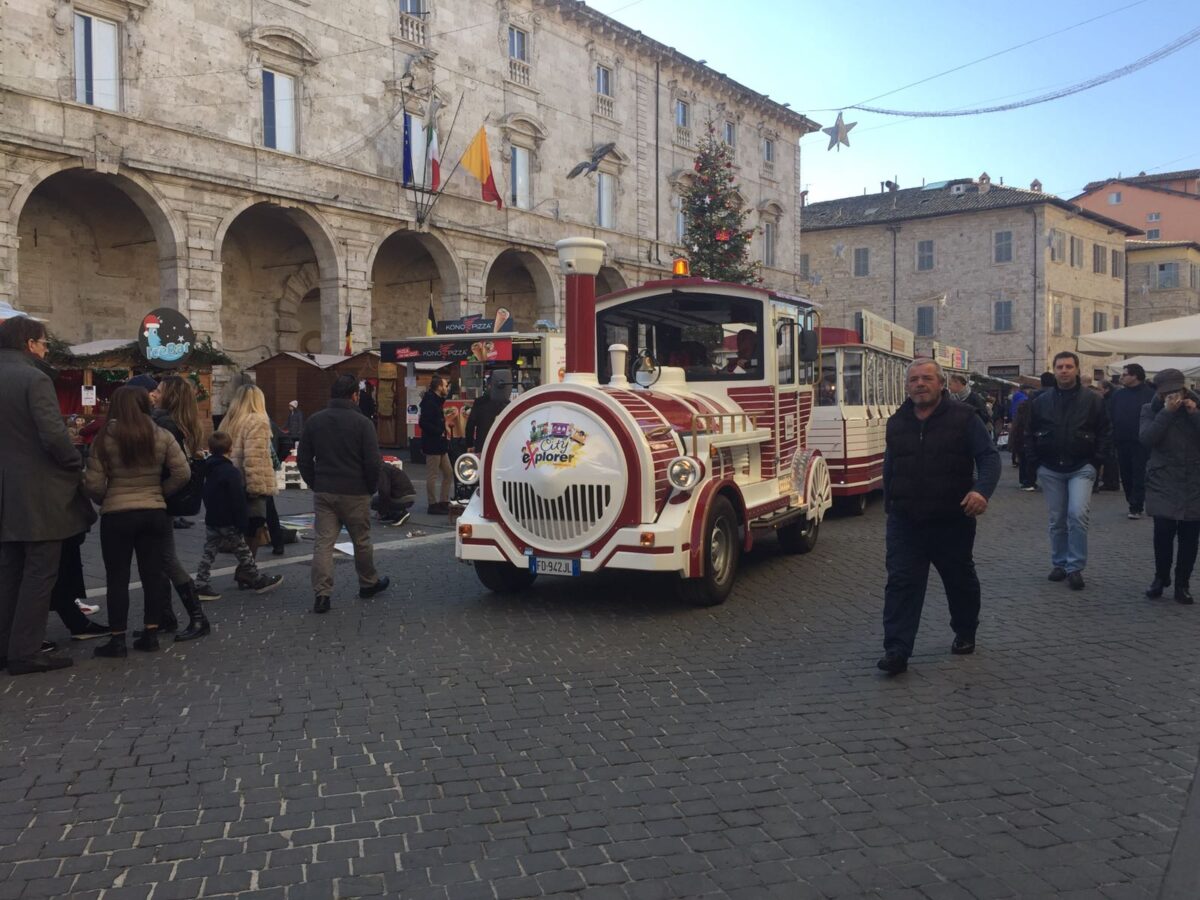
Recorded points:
(247,424)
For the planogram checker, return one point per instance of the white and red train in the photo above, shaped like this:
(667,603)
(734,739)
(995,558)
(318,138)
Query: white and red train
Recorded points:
(676,457)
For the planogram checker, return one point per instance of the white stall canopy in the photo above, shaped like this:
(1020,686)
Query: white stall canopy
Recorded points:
(1170,337)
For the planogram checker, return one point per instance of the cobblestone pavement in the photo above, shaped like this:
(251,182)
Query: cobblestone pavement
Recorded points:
(601,740)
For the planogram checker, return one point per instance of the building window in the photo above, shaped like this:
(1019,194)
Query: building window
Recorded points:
(1099,260)
(412,7)
(924,321)
(1058,244)
(1002,315)
(1076,253)
(1118,264)
(1116,322)
(1056,318)
(1153,217)
(605,188)
(768,151)
(518,178)
(518,44)
(1168,276)
(97,82)
(1002,246)
(1099,322)
(680,226)
(683,114)
(1195,279)
(924,256)
(604,81)
(279,111)
(730,133)
(804,266)
(768,244)
(862,261)
(1153,234)
(1114,198)
(1076,320)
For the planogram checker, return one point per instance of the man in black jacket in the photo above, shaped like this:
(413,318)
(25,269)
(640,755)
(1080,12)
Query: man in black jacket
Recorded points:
(1126,410)
(435,444)
(339,459)
(1068,438)
(960,389)
(939,470)
(487,408)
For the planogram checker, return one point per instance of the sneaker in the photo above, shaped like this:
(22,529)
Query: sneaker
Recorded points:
(266,583)
(962,646)
(1075,581)
(206,592)
(88,609)
(1028,488)
(893,664)
(48,647)
(396,523)
(321,605)
(93,630)
(1134,514)
(377,588)
(1058,573)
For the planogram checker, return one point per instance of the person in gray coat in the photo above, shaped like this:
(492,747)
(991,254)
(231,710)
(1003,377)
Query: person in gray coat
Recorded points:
(41,504)
(1170,430)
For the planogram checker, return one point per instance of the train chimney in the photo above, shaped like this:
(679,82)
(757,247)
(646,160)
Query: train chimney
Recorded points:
(580,259)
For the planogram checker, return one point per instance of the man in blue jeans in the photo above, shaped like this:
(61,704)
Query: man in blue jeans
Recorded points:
(1069,436)
(939,470)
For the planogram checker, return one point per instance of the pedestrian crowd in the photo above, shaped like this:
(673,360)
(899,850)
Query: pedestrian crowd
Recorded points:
(941,468)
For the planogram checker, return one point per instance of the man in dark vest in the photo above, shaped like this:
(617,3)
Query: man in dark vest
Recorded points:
(939,470)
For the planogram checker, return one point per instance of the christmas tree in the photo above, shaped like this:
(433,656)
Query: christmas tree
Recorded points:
(715,238)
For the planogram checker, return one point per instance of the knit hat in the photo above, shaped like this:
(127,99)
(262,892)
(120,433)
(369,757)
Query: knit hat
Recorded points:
(1168,381)
(293,404)
(143,381)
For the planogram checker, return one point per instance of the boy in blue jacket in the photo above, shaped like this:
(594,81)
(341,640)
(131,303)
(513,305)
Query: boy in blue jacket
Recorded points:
(225,520)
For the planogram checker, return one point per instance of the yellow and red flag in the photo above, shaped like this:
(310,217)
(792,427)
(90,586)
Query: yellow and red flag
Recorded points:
(477,161)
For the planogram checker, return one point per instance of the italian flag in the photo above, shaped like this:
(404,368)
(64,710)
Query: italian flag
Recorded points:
(433,159)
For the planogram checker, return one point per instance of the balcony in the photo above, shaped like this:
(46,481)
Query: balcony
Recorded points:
(605,106)
(411,29)
(519,71)
(683,135)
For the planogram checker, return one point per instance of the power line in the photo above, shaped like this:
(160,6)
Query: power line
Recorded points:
(1161,53)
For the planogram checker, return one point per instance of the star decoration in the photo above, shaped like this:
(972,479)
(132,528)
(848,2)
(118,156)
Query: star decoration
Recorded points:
(838,133)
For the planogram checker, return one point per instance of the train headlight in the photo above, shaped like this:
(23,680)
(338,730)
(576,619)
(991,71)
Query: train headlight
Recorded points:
(466,468)
(685,473)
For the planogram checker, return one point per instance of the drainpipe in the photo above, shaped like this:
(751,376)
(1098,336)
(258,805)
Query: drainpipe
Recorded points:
(895,230)
(1036,250)
(654,257)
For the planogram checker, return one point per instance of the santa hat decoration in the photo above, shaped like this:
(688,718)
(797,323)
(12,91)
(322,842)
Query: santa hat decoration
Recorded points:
(151,321)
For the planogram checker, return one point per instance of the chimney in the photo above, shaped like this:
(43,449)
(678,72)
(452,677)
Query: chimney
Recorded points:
(1035,186)
(985,183)
(580,259)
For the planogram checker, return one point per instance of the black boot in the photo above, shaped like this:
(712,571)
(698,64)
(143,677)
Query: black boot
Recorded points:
(167,621)
(198,625)
(1182,593)
(1157,585)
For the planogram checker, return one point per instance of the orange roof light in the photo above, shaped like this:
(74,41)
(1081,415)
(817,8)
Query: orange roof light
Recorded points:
(680,268)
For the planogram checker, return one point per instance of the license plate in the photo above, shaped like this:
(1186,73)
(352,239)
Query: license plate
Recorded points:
(544,565)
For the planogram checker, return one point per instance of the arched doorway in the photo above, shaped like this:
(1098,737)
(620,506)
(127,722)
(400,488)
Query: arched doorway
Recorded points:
(411,273)
(521,281)
(91,260)
(609,281)
(278,284)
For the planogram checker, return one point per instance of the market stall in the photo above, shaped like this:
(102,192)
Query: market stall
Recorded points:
(307,378)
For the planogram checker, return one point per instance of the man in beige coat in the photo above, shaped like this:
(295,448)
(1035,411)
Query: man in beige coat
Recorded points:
(40,500)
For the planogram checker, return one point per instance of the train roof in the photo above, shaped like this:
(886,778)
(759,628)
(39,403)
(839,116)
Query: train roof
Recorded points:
(703,284)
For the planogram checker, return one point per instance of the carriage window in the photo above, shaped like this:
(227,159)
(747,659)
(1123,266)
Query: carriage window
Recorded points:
(870,383)
(711,337)
(785,351)
(852,381)
(880,380)
(827,390)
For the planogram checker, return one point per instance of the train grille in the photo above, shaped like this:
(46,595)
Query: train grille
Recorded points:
(575,515)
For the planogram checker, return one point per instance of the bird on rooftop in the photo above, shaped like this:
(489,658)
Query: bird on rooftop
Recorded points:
(591,165)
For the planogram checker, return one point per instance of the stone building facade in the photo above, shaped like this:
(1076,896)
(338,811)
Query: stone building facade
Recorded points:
(1163,280)
(243,162)
(1012,276)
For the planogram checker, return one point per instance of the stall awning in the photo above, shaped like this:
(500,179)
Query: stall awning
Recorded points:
(448,350)
(1170,337)
(1189,365)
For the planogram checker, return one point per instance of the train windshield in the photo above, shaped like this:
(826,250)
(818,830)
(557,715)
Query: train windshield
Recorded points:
(710,336)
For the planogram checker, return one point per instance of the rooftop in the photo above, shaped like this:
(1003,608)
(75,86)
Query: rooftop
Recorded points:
(943,198)
(1133,246)
(1143,178)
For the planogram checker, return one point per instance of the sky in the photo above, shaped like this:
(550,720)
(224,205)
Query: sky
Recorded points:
(824,57)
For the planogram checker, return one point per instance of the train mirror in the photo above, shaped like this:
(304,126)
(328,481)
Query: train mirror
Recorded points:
(809,346)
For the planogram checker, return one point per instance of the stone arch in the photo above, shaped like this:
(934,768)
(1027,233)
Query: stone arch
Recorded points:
(295,327)
(304,217)
(164,222)
(609,281)
(524,282)
(411,271)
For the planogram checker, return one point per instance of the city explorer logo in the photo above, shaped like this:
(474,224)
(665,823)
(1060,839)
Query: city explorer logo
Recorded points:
(557,444)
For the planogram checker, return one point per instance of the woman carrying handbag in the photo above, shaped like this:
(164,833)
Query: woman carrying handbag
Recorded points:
(133,467)
(247,423)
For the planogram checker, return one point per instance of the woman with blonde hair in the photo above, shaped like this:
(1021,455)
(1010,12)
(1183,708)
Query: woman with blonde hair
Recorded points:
(175,410)
(246,421)
(125,475)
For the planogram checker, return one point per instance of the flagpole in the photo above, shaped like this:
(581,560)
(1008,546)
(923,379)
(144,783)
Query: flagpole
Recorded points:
(445,181)
(431,113)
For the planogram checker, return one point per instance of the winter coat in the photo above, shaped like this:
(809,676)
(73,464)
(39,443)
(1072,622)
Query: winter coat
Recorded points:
(395,486)
(1068,430)
(251,454)
(40,470)
(295,424)
(120,488)
(483,414)
(433,425)
(224,495)
(1125,407)
(1173,472)
(339,451)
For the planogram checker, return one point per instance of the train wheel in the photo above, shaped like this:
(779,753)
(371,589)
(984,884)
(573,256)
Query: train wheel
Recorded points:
(722,551)
(502,578)
(854,505)
(799,537)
